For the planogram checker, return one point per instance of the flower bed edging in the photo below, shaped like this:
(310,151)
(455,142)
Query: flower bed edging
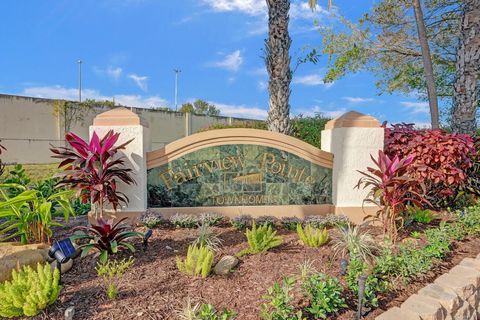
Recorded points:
(453,295)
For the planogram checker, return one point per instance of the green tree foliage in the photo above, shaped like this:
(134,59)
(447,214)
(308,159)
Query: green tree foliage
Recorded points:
(200,107)
(29,291)
(384,41)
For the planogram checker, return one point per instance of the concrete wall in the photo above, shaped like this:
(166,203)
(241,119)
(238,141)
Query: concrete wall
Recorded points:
(28,126)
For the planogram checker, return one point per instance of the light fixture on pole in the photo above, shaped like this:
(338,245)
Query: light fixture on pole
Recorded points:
(177,71)
(79,80)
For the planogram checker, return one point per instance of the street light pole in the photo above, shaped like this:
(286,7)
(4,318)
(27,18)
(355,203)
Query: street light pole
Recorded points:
(79,80)
(177,71)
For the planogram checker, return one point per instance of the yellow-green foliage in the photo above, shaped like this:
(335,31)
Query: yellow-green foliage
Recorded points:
(112,272)
(261,239)
(198,261)
(312,237)
(29,291)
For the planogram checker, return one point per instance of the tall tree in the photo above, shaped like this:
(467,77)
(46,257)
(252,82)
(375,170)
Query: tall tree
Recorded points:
(466,88)
(427,64)
(200,107)
(277,61)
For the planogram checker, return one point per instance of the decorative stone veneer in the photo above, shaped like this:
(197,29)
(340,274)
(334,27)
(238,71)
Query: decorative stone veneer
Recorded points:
(452,296)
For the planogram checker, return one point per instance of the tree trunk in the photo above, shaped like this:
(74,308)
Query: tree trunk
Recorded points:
(427,64)
(277,61)
(465,87)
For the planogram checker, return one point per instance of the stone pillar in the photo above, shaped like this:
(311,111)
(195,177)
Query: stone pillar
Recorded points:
(129,125)
(352,138)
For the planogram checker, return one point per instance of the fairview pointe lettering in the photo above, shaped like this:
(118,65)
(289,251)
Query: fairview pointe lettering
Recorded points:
(267,163)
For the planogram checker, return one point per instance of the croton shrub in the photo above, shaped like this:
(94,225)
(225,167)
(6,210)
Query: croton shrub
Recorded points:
(441,160)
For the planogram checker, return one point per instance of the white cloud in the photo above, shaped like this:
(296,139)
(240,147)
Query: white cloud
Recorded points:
(59,92)
(416,107)
(140,81)
(262,85)
(331,112)
(230,62)
(357,100)
(250,7)
(240,111)
(311,80)
(111,72)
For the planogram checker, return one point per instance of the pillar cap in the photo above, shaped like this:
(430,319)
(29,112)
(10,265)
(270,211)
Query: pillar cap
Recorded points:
(353,119)
(119,117)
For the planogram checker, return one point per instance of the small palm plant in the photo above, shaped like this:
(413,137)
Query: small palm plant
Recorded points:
(261,239)
(312,237)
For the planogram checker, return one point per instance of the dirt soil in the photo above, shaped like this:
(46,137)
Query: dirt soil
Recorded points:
(154,289)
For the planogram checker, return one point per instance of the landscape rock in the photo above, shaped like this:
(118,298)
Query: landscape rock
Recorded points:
(13,255)
(396,313)
(225,265)
(462,286)
(69,313)
(64,267)
(427,308)
(446,297)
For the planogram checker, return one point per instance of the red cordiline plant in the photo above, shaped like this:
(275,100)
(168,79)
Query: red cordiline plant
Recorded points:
(391,189)
(93,169)
(440,159)
(106,237)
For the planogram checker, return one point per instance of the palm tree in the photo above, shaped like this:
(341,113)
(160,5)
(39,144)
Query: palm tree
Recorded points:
(465,88)
(427,64)
(277,61)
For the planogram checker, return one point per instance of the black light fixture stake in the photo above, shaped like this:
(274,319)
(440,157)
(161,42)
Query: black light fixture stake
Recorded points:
(146,236)
(361,292)
(343,266)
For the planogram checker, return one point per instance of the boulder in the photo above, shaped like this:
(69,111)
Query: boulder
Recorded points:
(13,255)
(225,265)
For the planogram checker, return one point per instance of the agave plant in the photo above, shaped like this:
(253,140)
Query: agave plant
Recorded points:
(392,189)
(93,169)
(106,237)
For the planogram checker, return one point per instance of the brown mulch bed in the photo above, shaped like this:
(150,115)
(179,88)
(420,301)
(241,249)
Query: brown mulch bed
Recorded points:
(154,289)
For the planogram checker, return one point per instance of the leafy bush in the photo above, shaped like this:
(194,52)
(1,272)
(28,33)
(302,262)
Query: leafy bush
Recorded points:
(266,220)
(290,223)
(261,125)
(470,219)
(93,169)
(151,219)
(17,176)
(327,221)
(439,159)
(28,213)
(325,295)
(106,237)
(424,216)
(356,268)
(206,237)
(241,222)
(210,218)
(111,272)
(278,305)
(312,237)
(81,208)
(184,220)
(357,242)
(391,189)
(261,239)
(204,311)
(29,291)
(309,128)
(198,262)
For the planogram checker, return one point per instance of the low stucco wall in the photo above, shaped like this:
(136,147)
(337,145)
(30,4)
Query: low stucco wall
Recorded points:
(454,295)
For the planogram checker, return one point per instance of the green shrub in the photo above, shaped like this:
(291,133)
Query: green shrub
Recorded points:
(184,220)
(151,219)
(278,302)
(312,237)
(210,218)
(355,269)
(328,221)
(470,219)
(414,261)
(111,272)
(198,262)
(208,312)
(266,220)
(325,295)
(309,128)
(241,222)
(261,239)
(290,223)
(29,291)
(424,216)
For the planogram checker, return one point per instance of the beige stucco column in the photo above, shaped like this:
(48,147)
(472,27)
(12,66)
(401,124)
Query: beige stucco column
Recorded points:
(130,126)
(352,138)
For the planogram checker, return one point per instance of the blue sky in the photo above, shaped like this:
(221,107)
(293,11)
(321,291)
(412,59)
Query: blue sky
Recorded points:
(129,49)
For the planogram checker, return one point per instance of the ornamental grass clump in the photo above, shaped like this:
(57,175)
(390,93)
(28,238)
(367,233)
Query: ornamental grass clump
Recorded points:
(357,242)
(198,262)
(206,237)
(261,239)
(29,291)
(312,237)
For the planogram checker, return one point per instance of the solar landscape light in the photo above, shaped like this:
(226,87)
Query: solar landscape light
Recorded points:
(62,251)
(146,236)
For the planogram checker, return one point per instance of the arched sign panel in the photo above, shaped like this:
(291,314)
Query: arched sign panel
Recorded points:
(238,167)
